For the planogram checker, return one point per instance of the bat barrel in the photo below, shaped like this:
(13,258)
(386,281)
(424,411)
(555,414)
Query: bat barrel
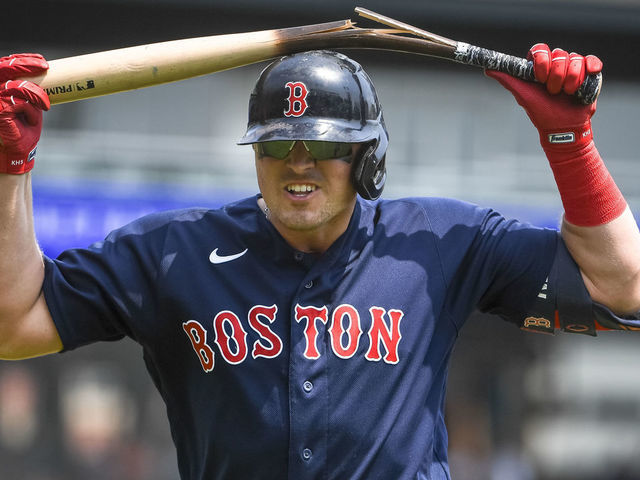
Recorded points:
(103,73)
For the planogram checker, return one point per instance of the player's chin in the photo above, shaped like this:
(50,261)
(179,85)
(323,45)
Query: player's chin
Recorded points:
(299,224)
(302,219)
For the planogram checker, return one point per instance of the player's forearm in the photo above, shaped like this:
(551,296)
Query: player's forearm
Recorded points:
(609,257)
(599,230)
(21,265)
(26,326)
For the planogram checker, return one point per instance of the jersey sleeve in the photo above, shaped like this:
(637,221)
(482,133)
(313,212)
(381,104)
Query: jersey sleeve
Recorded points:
(563,303)
(512,261)
(512,269)
(560,302)
(94,293)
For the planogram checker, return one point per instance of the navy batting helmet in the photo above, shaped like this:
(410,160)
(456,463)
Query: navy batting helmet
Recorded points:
(326,96)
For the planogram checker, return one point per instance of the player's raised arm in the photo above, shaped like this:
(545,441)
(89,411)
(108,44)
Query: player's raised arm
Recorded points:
(26,328)
(598,227)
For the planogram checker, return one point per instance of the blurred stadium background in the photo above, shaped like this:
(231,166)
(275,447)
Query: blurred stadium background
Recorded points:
(520,406)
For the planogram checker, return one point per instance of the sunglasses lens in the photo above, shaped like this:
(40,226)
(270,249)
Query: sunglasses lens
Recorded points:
(277,149)
(319,150)
(326,150)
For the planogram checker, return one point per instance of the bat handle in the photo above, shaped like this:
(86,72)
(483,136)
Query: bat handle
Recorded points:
(521,68)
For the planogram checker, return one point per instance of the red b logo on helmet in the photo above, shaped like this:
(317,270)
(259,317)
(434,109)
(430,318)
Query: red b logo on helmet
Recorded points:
(297,99)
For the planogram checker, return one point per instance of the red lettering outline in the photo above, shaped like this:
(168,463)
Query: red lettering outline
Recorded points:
(297,101)
(311,331)
(337,331)
(390,336)
(198,337)
(275,343)
(240,339)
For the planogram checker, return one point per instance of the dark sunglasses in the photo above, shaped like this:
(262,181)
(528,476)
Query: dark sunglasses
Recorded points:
(318,150)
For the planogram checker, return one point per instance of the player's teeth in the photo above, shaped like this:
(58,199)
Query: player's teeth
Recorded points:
(301,188)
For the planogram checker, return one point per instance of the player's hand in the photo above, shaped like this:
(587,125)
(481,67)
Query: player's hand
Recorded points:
(589,195)
(559,117)
(21,106)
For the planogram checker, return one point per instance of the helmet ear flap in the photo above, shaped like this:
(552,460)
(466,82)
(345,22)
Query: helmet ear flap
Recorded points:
(369,172)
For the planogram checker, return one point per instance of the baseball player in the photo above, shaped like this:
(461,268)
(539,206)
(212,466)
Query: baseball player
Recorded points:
(305,332)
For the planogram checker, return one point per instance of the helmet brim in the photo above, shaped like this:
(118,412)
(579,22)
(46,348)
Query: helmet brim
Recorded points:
(328,130)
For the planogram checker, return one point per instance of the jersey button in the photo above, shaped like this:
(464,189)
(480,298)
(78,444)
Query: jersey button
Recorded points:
(307,454)
(309,285)
(307,386)
(298,256)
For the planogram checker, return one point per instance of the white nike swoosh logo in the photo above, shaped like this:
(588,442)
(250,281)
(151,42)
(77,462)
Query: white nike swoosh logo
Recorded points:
(215,258)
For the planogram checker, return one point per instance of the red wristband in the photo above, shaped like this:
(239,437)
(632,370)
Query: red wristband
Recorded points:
(589,195)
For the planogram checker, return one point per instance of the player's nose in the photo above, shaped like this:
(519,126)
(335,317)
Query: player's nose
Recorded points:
(299,158)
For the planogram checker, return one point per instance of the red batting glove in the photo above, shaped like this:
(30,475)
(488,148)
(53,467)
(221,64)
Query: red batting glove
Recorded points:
(560,119)
(589,194)
(21,106)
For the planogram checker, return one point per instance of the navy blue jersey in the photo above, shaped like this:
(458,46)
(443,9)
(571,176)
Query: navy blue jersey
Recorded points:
(276,364)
